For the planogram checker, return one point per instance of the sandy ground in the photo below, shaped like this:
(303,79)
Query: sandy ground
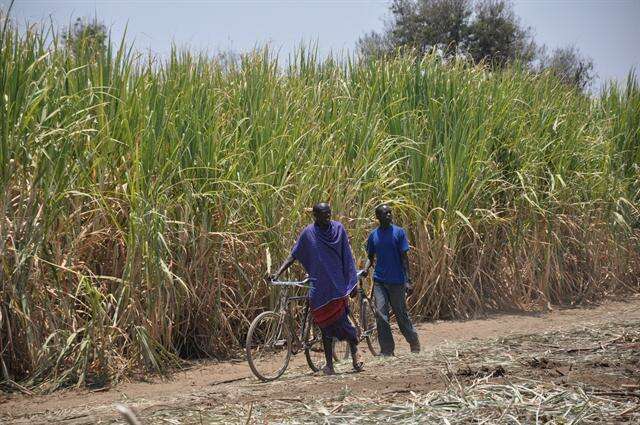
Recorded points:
(214,383)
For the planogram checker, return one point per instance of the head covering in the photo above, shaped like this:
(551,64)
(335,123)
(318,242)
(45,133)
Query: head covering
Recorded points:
(325,254)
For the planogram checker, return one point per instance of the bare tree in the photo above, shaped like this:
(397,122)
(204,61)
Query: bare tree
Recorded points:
(570,66)
(86,37)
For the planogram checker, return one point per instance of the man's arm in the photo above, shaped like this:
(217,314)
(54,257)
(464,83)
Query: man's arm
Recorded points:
(287,263)
(405,264)
(371,259)
(404,248)
(371,255)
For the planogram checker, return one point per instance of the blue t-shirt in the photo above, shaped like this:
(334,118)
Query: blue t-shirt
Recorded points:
(388,244)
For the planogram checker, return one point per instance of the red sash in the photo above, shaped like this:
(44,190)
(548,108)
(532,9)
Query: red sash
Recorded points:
(328,314)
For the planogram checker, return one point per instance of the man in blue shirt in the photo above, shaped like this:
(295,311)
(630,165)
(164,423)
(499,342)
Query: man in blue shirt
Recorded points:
(387,247)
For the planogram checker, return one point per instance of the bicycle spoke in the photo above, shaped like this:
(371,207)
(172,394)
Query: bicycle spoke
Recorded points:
(268,346)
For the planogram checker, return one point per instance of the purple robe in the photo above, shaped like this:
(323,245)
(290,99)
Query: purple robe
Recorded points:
(326,256)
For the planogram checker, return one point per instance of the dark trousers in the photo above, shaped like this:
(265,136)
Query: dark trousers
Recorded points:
(395,296)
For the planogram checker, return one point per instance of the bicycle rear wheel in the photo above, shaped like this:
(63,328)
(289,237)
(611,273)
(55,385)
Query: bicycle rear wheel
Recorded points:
(313,347)
(341,349)
(369,326)
(268,346)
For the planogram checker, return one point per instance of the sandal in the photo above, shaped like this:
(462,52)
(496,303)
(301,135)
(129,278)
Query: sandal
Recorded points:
(358,364)
(328,371)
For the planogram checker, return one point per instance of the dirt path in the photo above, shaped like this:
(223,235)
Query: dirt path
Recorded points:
(209,383)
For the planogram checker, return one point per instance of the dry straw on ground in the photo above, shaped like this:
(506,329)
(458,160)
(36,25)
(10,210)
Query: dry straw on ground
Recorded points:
(588,375)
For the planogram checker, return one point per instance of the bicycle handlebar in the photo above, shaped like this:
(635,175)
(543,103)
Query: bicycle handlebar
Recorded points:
(302,283)
(298,283)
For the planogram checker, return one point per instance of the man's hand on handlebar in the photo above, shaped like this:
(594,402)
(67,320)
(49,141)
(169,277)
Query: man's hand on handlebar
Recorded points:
(271,277)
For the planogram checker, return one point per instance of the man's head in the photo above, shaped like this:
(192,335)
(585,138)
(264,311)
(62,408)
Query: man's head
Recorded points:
(383,214)
(322,214)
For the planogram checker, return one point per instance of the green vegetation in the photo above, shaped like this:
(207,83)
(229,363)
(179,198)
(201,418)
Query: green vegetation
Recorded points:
(139,196)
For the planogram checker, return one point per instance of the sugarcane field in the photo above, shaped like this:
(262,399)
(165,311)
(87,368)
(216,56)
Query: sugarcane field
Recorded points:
(319,212)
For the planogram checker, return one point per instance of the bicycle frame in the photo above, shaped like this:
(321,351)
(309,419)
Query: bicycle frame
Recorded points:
(362,295)
(288,333)
(284,310)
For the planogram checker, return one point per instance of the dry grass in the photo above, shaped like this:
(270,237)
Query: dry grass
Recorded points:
(585,375)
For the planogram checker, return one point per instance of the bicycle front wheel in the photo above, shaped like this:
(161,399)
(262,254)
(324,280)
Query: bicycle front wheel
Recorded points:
(369,326)
(268,346)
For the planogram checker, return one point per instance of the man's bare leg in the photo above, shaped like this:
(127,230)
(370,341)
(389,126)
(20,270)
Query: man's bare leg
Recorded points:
(327,343)
(358,365)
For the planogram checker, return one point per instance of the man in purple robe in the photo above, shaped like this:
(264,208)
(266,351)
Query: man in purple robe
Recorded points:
(324,251)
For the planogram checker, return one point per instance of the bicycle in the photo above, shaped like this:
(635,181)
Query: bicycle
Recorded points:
(363,317)
(273,336)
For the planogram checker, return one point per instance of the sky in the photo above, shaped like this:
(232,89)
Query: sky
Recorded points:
(606,30)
